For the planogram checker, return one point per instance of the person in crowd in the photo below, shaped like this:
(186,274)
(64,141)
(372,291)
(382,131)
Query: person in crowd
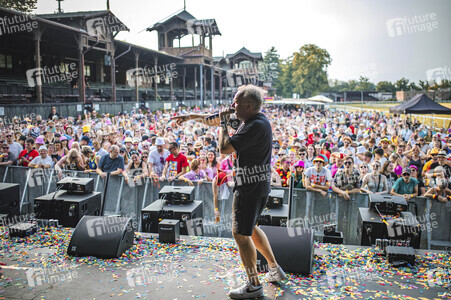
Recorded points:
(338,165)
(28,154)
(318,178)
(90,158)
(417,157)
(203,165)
(415,174)
(42,161)
(433,158)
(196,174)
(176,164)
(298,175)
(53,114)
(72,161)
(157,158)
(212,162)
(311,155)
(7,158)
(405,186)
(112,163)
(364,170)
(347,180)
(98,149)
(14,147)
(136,169)
(123,153)
(375,182)
(388,172)
(284,171)
(441,192)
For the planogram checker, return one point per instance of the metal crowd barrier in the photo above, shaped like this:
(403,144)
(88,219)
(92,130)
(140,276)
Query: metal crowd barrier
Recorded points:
(308,209)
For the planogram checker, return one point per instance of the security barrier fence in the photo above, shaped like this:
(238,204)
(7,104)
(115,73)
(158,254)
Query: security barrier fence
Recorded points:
(307,209)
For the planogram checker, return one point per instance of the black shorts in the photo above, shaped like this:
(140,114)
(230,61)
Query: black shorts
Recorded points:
(246,210)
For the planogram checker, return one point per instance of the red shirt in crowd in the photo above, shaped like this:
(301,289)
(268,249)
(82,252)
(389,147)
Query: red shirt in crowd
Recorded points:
(28,155)
(176,163)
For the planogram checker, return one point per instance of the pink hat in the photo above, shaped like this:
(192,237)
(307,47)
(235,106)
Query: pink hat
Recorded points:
(63,138)
(299,164)
(413,167)
(398,170)
(39,140)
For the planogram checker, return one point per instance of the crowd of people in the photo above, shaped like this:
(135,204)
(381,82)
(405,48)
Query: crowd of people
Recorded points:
(318,150)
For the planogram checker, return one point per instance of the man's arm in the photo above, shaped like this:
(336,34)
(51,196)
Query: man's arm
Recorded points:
(184,171)
(117,172)
(225,147)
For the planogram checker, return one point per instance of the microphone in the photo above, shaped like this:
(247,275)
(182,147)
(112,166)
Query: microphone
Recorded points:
(216,115)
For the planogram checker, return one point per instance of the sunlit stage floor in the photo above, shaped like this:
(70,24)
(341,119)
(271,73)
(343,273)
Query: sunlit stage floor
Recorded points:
(207,268)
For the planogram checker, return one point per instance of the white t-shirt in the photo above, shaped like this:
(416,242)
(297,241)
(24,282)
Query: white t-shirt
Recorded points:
(318,178)
(158,160)
(46,161)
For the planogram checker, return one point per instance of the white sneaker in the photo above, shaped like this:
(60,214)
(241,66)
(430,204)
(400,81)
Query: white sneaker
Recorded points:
(247,291)
(275,274)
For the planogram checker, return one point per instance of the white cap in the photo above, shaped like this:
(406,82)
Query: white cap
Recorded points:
(361,149)
(159,141)
(43,148)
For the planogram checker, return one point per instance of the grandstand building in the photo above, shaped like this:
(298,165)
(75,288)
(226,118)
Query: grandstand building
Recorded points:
(74,57)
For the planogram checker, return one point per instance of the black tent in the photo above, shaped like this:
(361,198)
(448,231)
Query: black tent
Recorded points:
(420,104)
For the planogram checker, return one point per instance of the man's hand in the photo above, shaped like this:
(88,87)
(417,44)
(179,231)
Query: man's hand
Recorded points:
(324,193)
(171,178)
(162,178)
(180,119)
(103,174)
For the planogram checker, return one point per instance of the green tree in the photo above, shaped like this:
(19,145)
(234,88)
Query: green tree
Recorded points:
(365,84)
(284,83)
(445,84)
(412,86)
(269,71)
(19,5)
(402,84)
(310,70)
(424,85)
(385,86)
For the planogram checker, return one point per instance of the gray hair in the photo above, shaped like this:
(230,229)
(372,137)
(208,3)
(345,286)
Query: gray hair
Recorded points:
(251,94)
(114,147)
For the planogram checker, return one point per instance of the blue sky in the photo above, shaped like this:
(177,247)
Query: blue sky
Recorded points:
(380,39)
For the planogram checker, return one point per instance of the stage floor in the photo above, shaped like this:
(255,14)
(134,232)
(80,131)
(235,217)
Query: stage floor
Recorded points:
(205,268)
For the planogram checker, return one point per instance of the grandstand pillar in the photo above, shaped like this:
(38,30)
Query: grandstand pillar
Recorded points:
(195,83)
(184,83)
(113,76)
(38,87)
(81,73)
(220,86)
(205,83)
(212,78)
(201,73)
(136,77)
(155,84)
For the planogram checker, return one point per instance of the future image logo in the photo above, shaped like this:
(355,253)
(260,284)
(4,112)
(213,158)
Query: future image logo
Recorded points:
(408,25)
(55,74)
(50,275)
(102,26)
(438,74)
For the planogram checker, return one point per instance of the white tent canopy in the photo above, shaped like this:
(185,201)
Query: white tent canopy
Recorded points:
(321,98)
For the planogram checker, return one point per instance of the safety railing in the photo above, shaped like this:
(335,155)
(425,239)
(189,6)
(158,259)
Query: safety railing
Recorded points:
(308,209)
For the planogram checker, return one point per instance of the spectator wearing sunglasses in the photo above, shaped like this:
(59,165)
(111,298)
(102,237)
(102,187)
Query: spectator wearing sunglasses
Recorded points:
(375,182)
(7,158)
(405,186)
(433,158)
(347,180)
(157,158)
(14,147)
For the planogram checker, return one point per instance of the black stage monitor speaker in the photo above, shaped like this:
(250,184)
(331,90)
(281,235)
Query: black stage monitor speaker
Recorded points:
(387,204)
(9,199)
(189,214)
(75,185)
(292,247)
(67,208)
(275,199)
(177,194)
(101,236)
